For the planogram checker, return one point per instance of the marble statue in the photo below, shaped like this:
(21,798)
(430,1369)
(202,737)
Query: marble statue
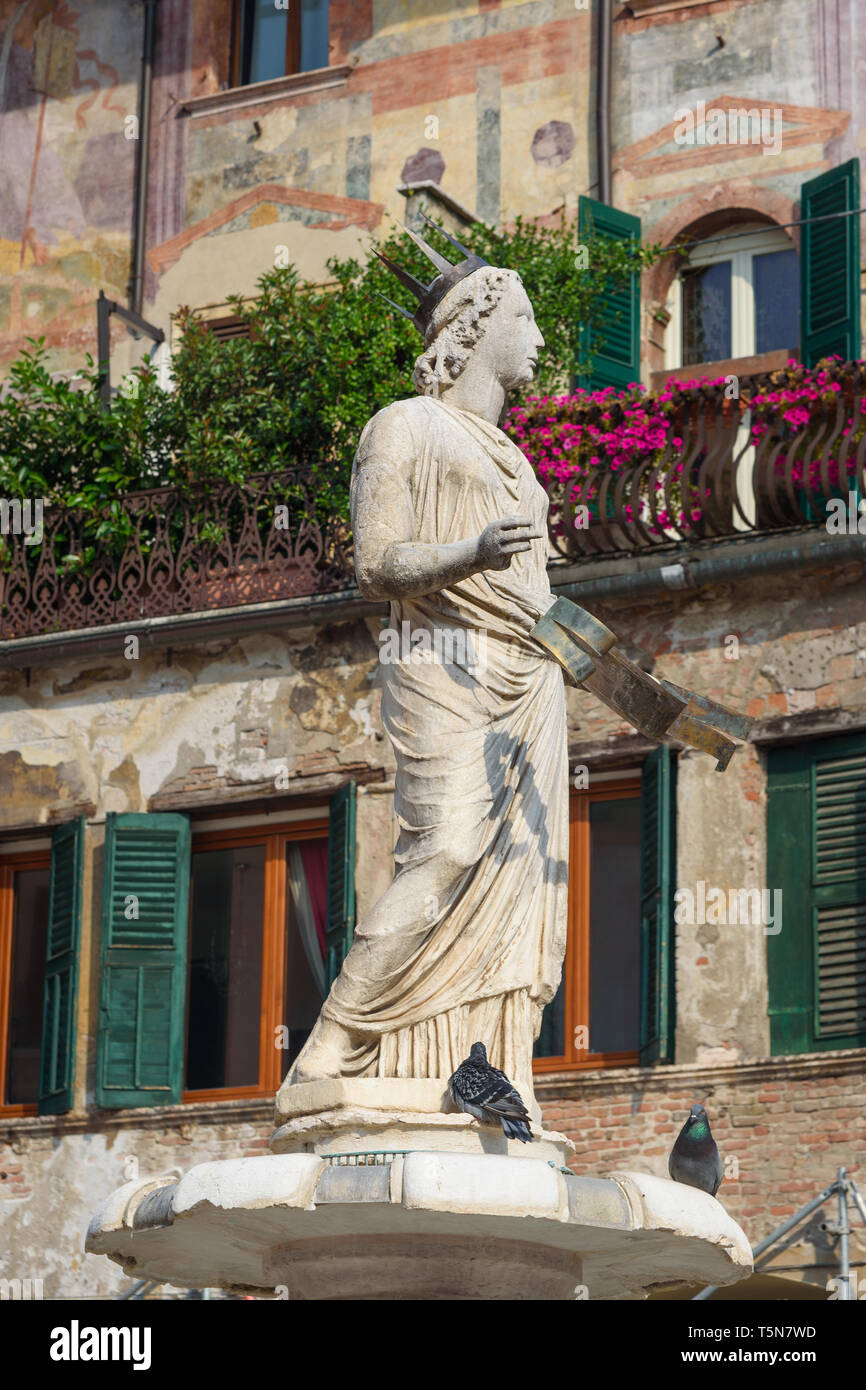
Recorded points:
(376,1187)
(450,527)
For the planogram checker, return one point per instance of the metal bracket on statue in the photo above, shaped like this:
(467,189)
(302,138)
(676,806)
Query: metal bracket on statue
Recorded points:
(562,647)
(588,632)
(687,728)
(710,712)
(583,647)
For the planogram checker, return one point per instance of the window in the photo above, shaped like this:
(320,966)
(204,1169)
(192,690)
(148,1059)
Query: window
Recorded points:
(736,298)
(24,886)
(600,987)
(217,951)
(618,975)
(258,910)
(274,40)
(816,859)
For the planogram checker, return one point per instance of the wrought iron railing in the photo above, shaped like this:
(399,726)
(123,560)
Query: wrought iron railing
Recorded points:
(172,550)
(176,550)
(718,475)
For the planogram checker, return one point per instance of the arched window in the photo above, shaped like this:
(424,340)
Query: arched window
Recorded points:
(738,296)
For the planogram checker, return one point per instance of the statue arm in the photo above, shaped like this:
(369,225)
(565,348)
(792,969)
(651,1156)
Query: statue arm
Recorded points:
(391,564)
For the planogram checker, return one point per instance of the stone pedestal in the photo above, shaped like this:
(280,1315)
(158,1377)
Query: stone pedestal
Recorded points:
(418,1225)
(386,1116)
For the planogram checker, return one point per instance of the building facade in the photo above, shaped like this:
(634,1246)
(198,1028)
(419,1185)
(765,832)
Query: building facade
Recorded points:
(192,820)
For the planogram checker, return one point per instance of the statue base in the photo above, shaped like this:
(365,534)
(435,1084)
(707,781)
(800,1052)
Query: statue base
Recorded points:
(387,1115)
(443,1225)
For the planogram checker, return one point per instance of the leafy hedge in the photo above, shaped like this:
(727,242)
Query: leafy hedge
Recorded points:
(319,361)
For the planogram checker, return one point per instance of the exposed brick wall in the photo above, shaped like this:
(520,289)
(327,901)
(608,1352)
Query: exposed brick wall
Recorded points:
(13,1182)
(789,1123)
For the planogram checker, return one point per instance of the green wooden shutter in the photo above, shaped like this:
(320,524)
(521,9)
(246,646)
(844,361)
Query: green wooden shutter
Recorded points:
(616,362)
(830,265)
(341,879)
(816,855)
(145,906)
(60,991)
(657,871)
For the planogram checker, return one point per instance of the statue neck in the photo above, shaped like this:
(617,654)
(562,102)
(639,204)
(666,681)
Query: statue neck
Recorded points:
(479,392)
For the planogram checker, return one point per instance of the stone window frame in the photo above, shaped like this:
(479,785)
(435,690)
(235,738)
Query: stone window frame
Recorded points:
(9,864)
(576,967)
(752,239)
(272,1063)
(639,8)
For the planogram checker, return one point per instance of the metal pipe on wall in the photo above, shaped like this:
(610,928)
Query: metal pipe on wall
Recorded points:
(136,284)
(602,100)
(695,573)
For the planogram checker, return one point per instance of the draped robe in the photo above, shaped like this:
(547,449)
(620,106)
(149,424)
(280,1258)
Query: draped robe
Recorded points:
(468,941)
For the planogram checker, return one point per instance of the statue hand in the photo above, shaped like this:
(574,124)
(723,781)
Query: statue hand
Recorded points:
(504,538)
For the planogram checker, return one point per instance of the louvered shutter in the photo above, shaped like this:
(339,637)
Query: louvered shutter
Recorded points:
(227,328)
(145,906)
(60,991)
(616,359)
(816,855)
(830,265)
(341,879)
(657,869)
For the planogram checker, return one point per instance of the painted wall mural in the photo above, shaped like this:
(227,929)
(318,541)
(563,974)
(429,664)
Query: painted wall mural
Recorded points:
(67,163)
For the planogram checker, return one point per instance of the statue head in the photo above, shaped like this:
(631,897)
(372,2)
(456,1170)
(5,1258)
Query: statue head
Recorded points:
(488,316)
(471,310)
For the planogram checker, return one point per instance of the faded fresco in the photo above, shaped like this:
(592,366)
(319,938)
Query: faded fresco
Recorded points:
(68,93)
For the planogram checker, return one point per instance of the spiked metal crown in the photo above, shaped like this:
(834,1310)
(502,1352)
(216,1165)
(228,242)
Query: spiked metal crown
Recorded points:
(449,275)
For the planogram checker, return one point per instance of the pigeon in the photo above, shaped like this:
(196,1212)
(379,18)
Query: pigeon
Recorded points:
(694,1159)
(485,1092)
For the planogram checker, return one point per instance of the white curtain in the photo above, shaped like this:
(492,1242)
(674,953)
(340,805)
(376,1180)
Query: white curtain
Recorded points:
(302,911)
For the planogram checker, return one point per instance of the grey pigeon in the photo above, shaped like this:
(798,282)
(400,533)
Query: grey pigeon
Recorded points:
(485,1092)
(694,1159)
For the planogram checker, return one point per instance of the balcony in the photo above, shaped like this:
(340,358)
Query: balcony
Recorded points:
(171,551)
(627,477)
(715,468)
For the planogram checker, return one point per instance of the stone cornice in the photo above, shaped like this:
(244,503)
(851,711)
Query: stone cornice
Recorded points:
(255,1110)
(295,84)
(573,1085)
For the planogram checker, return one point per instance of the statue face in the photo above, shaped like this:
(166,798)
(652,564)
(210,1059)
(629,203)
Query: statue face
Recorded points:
(515,337)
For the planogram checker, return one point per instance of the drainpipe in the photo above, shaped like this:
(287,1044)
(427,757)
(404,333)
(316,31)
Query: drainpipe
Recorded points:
(602,101)
(136,285)
(726,567)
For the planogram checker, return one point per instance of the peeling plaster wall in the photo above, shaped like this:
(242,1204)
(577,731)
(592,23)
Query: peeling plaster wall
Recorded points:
(51,1183)
(801,646)
(110,734)
(220,721)
(217,718)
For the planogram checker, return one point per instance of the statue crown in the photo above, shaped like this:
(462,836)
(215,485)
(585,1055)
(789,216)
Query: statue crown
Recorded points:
(449,275)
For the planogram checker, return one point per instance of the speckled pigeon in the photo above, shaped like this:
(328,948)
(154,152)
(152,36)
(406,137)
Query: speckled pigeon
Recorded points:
(694,1157)
(485,1092)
